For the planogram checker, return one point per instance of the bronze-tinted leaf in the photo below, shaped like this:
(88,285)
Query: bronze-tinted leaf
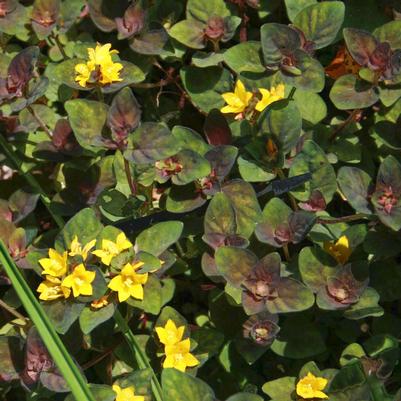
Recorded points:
(124,115)
(216,128)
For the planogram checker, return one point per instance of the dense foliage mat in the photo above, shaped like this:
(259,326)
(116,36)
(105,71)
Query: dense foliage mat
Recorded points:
(200,200)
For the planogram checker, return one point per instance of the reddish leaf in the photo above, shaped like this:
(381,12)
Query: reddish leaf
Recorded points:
(216,129)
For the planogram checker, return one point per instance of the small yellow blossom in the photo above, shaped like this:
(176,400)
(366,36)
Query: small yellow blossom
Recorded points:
(129,283)
(100,67)
(76,248)
(127,394)
(179,357)
(111,249)
(80,281)
(311,386)
(100,303)
(170,334)
(339,250)
(55,265)
(270,96)
(238,100)
(51,289)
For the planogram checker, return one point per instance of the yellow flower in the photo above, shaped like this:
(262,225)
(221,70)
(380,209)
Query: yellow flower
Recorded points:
(76,248)
(127,394)
(51,289)
(270,96)
(179,357)
(100,66)
(111,249)
(56,264)
(339,250)
(238,100)
(129,283)
(311,386)
(80,281)
(170,334)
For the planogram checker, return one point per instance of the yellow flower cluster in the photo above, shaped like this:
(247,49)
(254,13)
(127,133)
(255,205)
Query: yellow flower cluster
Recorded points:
(310,387)
(59,284)
(240,100)
(100,67)
(176,349)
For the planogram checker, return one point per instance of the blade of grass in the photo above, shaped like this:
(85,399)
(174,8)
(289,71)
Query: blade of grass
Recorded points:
(30,179)
(139,355)
(55,346)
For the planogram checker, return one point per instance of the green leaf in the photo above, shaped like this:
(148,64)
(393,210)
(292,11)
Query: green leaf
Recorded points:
(220,216)
(194,167)
(280,389)
(62,314)
(313,160)
(285,123)
(87,119)
(321,22)
(245,397)
(368,305)
(235,264)
(149,143)
(296,6)
(91,318)
(245,56)
(349,93)
(311,77)
(158,238)
(312,107)
(299,339)
(355,185)
(276,39)
(190,33)
(201,11)
(206,92)
(179,386)
(39,317)
(85,225)
(390,33)
(251,172)
(246,205)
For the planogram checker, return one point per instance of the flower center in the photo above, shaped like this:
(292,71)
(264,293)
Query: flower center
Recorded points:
(78,281)
(388,200)
(128,281)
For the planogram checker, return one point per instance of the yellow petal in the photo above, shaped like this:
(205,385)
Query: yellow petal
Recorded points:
(136,291)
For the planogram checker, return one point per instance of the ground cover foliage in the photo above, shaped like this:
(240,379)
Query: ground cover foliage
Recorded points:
(203,196)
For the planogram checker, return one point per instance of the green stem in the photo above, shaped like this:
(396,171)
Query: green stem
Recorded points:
(344,219)
(286,253)
(30,179)
(140,356)
(292,93)
(128,174)
(99,94)
(60,46)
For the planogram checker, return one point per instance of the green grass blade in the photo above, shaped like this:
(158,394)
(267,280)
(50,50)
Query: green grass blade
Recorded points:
(55,346)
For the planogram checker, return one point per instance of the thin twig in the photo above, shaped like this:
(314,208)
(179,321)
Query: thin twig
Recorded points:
(41,123)
(11,310)
(344,219)
(344,124)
